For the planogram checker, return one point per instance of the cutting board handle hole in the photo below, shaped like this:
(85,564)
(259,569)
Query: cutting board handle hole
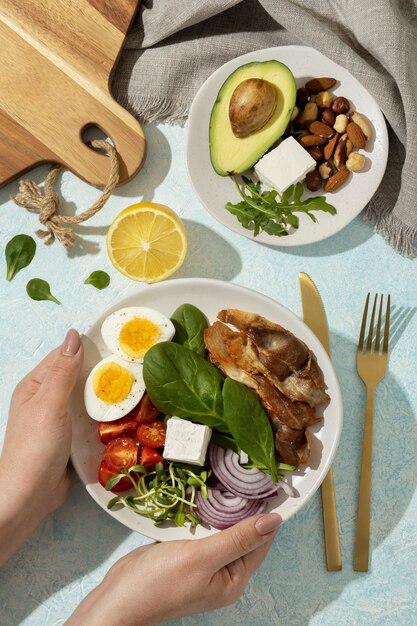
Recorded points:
(92,131)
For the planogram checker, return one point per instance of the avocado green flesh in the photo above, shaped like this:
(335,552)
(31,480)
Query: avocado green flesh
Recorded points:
(233,155)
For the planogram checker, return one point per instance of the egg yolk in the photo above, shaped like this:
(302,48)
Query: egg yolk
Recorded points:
(137,336)
(112,383)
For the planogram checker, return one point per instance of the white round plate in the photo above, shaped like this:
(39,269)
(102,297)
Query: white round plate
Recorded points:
(210,296)
(215,191)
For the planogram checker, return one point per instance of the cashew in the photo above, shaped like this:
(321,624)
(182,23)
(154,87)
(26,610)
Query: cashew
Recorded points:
(341,123)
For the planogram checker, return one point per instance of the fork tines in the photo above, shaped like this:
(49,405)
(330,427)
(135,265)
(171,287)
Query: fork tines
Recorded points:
(379,325)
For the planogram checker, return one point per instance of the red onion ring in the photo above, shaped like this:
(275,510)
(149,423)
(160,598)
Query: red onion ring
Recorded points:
(222,516)
(250,484)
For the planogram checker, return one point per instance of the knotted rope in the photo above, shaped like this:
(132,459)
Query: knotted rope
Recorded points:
(45,201)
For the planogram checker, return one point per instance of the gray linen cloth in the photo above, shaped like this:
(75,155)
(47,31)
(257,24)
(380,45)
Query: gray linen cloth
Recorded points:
(174,45)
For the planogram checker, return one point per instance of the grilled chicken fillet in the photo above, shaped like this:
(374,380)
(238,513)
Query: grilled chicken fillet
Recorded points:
(280,356)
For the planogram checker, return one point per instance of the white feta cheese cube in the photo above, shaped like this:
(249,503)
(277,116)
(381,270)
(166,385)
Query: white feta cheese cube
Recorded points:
(285,165)
(186,442)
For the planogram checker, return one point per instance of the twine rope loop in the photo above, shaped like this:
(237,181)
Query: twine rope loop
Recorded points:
(45,201)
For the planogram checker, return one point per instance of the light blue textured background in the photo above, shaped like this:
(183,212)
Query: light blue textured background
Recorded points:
(70,552)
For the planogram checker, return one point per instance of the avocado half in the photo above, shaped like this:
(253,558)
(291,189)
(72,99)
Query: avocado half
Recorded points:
(234,155)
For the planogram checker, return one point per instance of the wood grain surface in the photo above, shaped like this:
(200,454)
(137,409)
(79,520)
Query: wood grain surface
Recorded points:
(57,58)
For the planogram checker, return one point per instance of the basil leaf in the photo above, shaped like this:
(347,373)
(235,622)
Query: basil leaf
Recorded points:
(99,279)
(19,253)
(39,289)
(249,424)
(189,324)
(180,382)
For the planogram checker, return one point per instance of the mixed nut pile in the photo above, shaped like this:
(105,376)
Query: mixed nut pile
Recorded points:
(327,128)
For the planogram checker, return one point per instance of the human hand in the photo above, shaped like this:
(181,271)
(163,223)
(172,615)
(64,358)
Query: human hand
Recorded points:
(34,473)
(163,581)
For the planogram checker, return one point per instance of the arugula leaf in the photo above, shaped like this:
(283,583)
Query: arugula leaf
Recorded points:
(249,425)
(189,324)
(180,382)
(274,214)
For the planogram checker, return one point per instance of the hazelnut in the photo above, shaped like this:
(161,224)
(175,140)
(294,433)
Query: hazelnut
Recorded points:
(341,123)
(328,117)
(340,105)
(313,180)
(309,114)
(316,152)
(303,96)
(355,162)
(324,99)
(325,170)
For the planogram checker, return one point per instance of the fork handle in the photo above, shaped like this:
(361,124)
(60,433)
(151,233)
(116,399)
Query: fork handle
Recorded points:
(361,554)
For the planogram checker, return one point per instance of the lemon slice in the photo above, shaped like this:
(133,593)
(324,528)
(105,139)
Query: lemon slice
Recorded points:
(147,242)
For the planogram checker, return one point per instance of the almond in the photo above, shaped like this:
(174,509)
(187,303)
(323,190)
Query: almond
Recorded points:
(312,140)
(320,129)
(337,180)
(355,134)
(329,149)
(315,85)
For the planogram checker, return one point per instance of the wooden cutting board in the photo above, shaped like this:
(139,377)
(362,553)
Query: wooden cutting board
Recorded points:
(56,64)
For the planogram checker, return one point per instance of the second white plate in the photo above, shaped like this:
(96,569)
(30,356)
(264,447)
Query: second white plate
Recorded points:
(215,191)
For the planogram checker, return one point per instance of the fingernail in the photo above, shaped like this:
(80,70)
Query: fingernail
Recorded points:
(71,343)
(267,523)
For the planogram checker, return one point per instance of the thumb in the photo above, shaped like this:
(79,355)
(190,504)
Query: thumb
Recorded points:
(238,540)
(62,373)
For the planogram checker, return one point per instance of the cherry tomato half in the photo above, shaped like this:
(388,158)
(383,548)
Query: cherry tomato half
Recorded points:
(104,475)
(123,427)
(152,435)
(150,457)
(121,452)
(147,412)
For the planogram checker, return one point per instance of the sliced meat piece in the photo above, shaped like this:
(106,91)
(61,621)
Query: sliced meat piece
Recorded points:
(283,358)
(227,350)
(293,446)
(215,339)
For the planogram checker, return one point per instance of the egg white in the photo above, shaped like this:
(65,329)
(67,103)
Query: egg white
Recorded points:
(113,324)
(99,410)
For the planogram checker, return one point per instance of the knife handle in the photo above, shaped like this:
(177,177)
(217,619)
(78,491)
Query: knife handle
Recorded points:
(331,530)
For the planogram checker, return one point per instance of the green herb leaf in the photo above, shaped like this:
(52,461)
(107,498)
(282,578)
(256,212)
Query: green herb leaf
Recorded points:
(99,279)
(39,289)
(262,211)
(189,324)
(19,253)
(249,424)
(139,469)
(113,481)
(180,382)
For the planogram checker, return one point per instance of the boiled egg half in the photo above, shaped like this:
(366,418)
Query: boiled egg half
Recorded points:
(131,331)
(113,388)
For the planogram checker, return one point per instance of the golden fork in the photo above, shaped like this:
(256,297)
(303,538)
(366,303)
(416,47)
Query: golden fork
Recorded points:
(371,365)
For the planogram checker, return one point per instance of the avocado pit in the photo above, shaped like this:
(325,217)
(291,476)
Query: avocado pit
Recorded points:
(252,104)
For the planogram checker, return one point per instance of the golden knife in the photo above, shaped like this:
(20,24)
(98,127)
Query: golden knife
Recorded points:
(315,317)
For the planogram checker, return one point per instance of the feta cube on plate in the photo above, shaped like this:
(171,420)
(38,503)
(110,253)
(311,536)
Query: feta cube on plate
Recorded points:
(186,442)
(285,165)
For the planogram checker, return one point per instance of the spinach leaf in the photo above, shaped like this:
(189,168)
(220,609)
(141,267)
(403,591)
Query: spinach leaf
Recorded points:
(224,441)
(249,425)
(180,382)
(39,289)
(19,253)
(99,279)
(189,324)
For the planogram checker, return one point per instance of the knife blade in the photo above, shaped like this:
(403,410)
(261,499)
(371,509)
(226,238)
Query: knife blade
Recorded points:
(314,316)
